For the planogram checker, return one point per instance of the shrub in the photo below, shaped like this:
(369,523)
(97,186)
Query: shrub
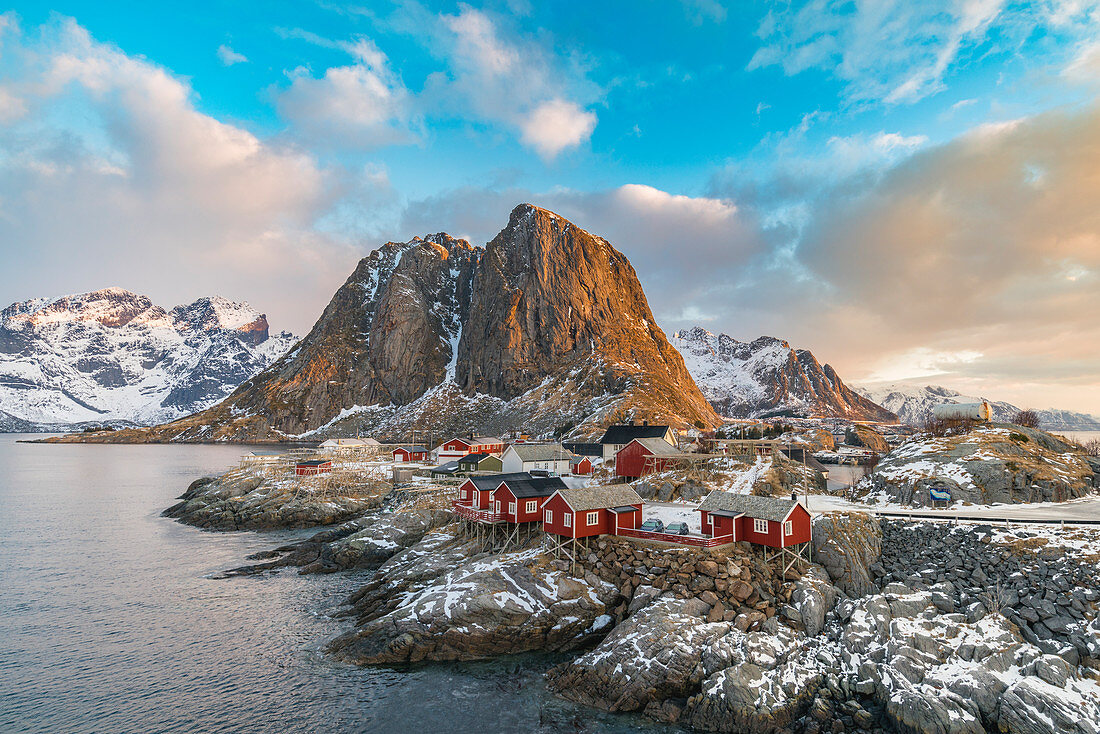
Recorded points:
(1092,447)
(1027,418)
(1019,437)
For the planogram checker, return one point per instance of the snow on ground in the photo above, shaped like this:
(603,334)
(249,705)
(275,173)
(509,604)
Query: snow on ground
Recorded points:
(669,512)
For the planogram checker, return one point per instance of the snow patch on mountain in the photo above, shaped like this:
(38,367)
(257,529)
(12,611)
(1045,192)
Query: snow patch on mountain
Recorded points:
(112,356)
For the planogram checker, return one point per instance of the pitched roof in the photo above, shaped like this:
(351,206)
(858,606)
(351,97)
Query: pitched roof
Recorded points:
(486,482)
(626,434)
(541,452)
(413,449)
(658,446)
(536,487)
(584,449)
(599,498)
(449,467)
(314,462)
(475,458)
(764,508)
(472,441)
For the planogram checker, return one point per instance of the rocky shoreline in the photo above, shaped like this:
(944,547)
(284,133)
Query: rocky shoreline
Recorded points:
(897,627)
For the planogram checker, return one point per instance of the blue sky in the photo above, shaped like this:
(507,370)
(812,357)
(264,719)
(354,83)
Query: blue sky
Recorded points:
(893,185)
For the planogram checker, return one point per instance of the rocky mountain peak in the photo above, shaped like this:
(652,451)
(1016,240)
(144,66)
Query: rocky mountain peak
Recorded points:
(111,307)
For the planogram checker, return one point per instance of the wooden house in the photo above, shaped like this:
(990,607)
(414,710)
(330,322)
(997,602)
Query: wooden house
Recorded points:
(617,437)
(644,456)
(769,521)
(580,465)
(476,492)
(311,467)
(483,462)
(551,458)
(583,513)
(456,448)
(410,453)
(521,500)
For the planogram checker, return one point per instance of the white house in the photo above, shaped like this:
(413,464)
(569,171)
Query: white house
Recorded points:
(528,457)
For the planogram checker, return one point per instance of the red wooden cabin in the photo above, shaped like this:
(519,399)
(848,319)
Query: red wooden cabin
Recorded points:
(521,500)
(312,467)
(769,521)
(580,465)
(456,448)
(583,513)
(410,453)
(644,456)
(477,491)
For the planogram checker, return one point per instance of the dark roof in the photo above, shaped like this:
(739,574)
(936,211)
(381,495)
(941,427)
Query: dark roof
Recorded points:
(474,458)
(626,434)
(599,498)
(624,508)
(486,482)
(764,508)
(449,467)
(535,487)
(584,449)
(413,449)
(314,462)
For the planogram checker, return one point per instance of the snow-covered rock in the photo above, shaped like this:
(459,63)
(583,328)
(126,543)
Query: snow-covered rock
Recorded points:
(767,377)
(115,357)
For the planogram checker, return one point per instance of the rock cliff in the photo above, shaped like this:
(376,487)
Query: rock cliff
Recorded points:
(545,328)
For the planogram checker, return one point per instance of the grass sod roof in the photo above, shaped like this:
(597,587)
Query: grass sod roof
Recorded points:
(599,498)
(763,508)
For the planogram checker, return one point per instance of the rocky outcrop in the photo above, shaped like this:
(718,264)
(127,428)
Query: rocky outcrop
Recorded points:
(545,328)
(115,358)
(848,546)
(435,601)
(866,437)
(251,499)
(989,463)
(767,377)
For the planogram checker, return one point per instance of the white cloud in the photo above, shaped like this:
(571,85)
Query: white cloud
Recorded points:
(364,104)
(900,52)
(228,56)
(155,194)
(555,125)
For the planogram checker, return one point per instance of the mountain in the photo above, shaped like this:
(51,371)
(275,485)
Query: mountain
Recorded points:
(913,404)
(114,357)
(546,328)
(766,377)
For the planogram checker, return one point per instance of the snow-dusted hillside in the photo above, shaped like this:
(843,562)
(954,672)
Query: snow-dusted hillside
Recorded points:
(913,404)
(767,377)
(113,356)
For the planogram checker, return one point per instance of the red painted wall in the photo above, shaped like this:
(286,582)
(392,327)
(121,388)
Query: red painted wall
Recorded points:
(584,467)
(505,497)
(558,506)
(630,461)
(722,525)
(403,455)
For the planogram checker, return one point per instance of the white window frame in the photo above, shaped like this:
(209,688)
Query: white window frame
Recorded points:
(759,526)
(788,528)
(511,508)
(593,518)
(567,520)
(548,516)
(532,506)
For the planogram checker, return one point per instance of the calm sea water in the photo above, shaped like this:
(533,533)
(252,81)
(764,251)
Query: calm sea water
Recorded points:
(108,622)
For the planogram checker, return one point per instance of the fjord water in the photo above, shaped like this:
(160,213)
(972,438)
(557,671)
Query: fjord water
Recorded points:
(109,622)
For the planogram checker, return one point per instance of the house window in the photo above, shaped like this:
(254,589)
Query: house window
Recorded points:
(788,528)
(511,508)
(593,518)
(567,520)
(532,505)
(548,516)
(760,526)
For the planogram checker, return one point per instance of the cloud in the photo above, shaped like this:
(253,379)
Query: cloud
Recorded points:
(514,81)
(117,175)
(900,52)
(228,56)
(704,11)
(363,105)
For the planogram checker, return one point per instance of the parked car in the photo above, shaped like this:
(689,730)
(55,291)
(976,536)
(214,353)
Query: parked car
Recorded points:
(653,525)
(677,528)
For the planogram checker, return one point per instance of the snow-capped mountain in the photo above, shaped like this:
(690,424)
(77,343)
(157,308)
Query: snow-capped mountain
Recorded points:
(767,377)
(913,404)
(113,356)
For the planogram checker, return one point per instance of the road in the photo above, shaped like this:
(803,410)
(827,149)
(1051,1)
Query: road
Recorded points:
(1082,510)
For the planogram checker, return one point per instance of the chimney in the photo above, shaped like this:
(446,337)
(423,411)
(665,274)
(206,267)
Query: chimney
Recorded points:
(645,423)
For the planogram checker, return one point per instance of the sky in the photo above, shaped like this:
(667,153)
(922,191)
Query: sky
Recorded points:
(909,190)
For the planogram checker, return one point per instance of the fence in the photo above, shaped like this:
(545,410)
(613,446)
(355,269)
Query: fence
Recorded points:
(472,513)
(678,539)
